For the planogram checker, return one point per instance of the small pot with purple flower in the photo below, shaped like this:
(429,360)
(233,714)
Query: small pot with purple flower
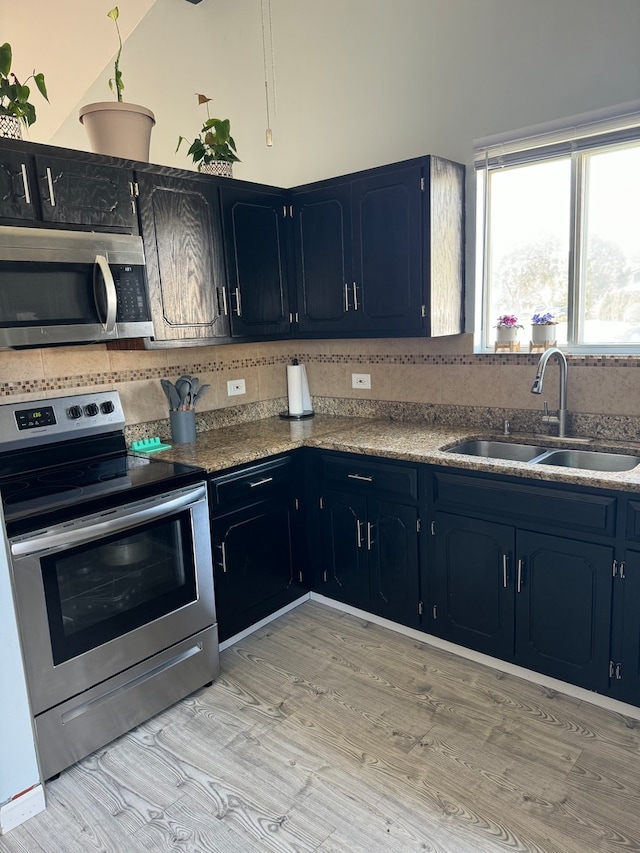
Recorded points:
(507,328)
(543,329)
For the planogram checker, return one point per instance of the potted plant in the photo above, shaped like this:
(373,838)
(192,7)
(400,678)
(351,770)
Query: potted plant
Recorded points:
(543,328)
(213,150)
(507,328)
(15,107)
(117,128)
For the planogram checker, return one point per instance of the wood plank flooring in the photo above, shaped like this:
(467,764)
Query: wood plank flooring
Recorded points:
(328,733)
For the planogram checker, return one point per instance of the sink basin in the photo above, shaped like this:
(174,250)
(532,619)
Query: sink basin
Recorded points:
(499,450)
(590,460)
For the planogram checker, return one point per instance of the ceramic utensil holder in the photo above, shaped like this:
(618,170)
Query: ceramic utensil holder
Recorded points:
(183,426)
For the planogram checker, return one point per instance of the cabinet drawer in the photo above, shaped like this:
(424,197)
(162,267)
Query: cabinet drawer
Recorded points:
(254,482)
(537,504)
(363,475)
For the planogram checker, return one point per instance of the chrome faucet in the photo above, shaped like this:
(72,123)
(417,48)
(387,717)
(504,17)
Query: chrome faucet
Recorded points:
(561,417)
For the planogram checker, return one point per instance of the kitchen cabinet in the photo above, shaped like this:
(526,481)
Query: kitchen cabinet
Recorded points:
(256,532)
(513,589)
(64,192)
(369,534)
(182,232)
(255,236)
(381,252)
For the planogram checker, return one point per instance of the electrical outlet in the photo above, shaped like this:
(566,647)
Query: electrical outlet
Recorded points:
(236,386)
(361,380)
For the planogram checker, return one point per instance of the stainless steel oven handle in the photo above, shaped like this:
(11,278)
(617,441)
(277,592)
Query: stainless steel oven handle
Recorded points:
(102,267)
(92,528)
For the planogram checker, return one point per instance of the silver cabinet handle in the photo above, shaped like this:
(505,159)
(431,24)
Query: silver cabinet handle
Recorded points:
(360,477)
(355,296)
(52,197)
(519,581)
(358,533)
(505,573)
(25,183)
(101,266)
(346,297)
(369,536)
(223,551)
(238,302)
(261,482)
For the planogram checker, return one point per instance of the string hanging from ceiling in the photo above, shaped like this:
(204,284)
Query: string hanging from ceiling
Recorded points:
(269,66)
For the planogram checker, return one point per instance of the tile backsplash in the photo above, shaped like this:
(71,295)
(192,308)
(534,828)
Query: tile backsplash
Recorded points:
(439,379)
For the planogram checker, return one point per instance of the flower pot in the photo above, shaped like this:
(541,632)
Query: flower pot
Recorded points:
(541,333)
(10,127)
(506,334)
(221,168)
(118,129)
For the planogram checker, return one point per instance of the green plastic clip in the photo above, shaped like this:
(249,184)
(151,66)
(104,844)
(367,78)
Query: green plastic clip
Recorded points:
(149,445)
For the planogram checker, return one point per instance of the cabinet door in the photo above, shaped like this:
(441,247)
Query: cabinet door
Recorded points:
(345,570)
(392,543)
(563,608)
(322,245)
(16,191)
(182,234)
(253,564)
(626,685)
(387,250)
(254,233)
(473,584)
(81,193)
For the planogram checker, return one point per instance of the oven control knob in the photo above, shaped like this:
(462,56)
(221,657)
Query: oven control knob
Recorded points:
(107,407)
(91,410)
(74,412)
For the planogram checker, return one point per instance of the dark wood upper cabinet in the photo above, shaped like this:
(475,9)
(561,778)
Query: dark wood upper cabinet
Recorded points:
(80,193)
(255,232)
(382,252)
(182,233)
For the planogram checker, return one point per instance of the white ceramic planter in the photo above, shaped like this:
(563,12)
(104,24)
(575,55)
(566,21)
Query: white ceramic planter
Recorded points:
(542,334)
(506,334)
(118,129)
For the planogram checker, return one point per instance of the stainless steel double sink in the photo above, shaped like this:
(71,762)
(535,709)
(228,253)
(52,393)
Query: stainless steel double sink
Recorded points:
(589,460)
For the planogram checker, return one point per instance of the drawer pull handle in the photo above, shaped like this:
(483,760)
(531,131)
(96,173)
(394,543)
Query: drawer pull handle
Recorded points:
(360,477)
(25,183)
(262,482)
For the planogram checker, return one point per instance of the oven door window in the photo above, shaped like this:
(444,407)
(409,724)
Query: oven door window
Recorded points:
(102,590)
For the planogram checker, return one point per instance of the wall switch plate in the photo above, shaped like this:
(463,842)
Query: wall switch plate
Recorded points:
(361,380)
(236,386)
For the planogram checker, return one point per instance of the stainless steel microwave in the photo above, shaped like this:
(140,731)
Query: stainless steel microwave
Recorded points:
(69,287)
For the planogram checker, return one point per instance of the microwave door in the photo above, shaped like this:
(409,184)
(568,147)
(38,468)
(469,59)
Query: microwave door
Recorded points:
(104,292)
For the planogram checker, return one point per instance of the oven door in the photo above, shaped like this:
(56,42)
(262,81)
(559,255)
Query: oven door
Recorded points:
(99,594)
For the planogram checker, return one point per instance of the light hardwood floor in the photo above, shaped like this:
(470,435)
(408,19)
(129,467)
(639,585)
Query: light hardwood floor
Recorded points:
(328,733)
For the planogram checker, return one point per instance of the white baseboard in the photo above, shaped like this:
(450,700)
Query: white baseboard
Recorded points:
(598,699)
(247,631)
(21,808)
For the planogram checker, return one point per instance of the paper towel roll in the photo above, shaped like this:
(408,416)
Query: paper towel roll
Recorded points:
(298,390)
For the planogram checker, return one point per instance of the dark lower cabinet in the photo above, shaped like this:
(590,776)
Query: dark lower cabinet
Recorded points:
(472,601)
(257,538)
(254,570)
(369,540)
(543,602)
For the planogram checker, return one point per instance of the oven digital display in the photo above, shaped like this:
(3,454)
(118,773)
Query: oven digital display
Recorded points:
(34,418)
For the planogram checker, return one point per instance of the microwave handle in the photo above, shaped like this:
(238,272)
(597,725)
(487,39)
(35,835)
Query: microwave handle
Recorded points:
(101,266)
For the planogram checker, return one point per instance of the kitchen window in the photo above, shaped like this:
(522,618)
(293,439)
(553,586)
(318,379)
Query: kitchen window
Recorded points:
(558,225)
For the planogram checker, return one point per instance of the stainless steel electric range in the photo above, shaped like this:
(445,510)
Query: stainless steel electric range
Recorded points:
(110,557)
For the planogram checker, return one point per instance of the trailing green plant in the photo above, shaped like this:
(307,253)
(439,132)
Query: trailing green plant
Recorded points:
(116,83)
(214,142)
(14,96)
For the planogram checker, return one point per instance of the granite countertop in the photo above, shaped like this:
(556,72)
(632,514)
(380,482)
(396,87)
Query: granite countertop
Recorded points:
(219,449)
